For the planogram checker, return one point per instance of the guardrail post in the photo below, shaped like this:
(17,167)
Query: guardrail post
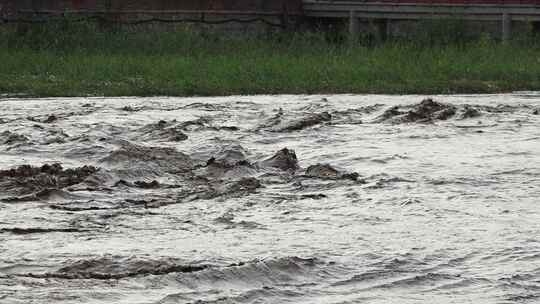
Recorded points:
(105,20)
(353,26)
(536,27)
(285,22)
(506,27)
(383,29)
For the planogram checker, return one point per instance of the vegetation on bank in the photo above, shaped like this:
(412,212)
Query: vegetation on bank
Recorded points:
(80,60)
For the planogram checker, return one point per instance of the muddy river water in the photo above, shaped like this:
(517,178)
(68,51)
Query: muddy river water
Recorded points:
(270,199)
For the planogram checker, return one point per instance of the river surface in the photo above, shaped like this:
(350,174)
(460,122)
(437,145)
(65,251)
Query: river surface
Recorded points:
(270,199)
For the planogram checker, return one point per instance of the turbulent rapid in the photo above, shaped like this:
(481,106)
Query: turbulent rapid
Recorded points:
(270,199)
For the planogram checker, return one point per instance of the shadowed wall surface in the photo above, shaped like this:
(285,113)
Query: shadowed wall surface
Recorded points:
(259,5)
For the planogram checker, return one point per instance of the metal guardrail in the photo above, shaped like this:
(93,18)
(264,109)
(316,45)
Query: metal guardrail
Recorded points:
(385,11)
(404,11)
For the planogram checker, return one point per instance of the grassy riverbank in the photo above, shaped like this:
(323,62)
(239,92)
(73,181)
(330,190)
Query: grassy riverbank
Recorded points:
(41,62)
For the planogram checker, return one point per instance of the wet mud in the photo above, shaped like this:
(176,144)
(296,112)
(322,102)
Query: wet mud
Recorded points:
(284,199)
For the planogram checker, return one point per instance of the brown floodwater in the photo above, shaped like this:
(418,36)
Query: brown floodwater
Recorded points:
(270,199)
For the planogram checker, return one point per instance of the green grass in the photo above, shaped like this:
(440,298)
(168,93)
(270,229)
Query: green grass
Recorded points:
(84,61)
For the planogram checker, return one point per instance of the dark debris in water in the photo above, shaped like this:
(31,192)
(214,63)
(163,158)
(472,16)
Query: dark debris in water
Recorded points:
(28,179)
(280,122)
(51,119)
(470,112)
(132,155)
(11,138)
(204,175)
(326,171)
(305,122)
(429,111)
(227,174)
(113,268)
(426,111)
(285,159)
(154,184)
(22,231)
(164,131)
(231,189)
(116,267)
